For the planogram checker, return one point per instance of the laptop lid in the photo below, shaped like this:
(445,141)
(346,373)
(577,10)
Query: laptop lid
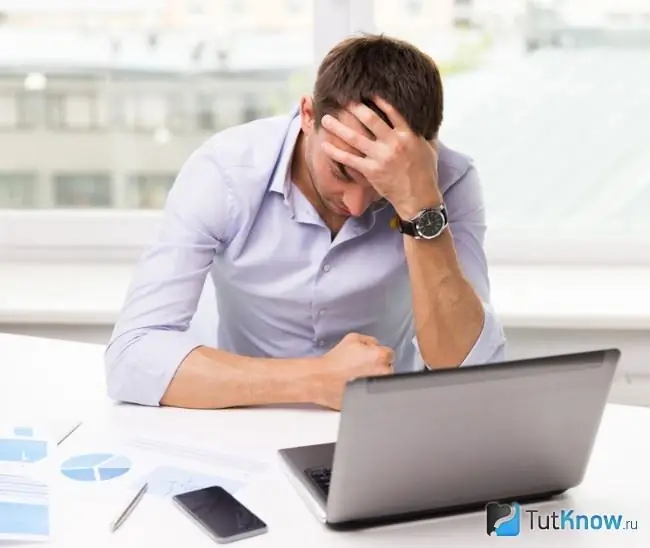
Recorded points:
(427,442)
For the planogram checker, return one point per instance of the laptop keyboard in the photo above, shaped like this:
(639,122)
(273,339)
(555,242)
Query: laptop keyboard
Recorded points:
(320,476)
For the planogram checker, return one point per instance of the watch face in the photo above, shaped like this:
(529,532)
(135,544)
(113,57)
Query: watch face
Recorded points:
(430,224)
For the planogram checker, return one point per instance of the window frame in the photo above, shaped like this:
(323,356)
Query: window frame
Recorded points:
(120,235)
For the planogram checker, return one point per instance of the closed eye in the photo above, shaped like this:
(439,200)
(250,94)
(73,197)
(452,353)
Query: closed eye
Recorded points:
(340,172)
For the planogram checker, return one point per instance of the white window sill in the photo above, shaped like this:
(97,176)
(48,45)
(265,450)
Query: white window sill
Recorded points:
(62,294)
(528,297)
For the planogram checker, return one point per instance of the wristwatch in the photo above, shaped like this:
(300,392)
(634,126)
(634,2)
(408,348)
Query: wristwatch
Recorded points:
(426,225)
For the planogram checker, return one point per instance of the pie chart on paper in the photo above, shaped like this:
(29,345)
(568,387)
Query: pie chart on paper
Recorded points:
(95,467)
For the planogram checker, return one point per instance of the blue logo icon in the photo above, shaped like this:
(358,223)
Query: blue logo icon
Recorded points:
(503,519)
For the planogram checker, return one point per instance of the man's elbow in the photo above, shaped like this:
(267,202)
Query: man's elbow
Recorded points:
(114,358)
(140,365)
(123,376)
(490,347)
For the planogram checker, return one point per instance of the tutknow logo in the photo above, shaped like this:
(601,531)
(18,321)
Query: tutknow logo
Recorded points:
(506,520)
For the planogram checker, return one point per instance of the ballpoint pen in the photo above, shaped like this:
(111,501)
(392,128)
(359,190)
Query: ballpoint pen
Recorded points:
(130,507)
(69,433)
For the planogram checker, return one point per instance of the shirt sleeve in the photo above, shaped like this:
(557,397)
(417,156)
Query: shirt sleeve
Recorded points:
(151,337)
(466,209)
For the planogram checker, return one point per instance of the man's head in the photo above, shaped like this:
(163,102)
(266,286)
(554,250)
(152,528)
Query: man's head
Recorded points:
(354,71)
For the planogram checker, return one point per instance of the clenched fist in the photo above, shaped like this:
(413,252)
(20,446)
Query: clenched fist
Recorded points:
(354,356)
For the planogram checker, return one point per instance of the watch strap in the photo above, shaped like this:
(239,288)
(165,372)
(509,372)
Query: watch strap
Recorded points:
(408,227)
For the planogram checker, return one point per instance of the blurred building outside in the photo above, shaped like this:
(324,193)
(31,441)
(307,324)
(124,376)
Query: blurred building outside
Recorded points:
(101,102)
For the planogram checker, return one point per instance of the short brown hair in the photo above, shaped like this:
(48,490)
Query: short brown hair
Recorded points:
(362,66)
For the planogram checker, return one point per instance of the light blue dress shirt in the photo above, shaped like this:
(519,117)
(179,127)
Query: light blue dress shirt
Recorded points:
(283,288)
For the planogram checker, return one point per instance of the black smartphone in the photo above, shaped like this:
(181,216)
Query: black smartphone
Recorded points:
(220,514)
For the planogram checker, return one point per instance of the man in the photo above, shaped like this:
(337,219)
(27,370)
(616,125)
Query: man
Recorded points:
(343,240)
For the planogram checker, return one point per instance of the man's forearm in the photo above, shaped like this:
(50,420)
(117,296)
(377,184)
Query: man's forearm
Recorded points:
(212,379)
(448,314)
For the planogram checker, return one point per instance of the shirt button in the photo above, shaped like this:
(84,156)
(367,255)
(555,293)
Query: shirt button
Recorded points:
(321,312)
(321,343)
(326,268)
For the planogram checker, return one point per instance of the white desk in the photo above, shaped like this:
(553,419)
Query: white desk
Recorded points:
(67,379)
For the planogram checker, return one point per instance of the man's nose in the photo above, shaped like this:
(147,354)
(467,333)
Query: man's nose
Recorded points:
(357,200)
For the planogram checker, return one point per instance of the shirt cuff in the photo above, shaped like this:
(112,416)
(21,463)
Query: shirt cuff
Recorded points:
(489,347)
(139,368)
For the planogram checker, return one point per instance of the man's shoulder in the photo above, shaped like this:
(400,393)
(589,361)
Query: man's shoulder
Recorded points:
(453,165)
(254,145)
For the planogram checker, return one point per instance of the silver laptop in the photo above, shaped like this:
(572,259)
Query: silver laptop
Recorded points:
(417,445)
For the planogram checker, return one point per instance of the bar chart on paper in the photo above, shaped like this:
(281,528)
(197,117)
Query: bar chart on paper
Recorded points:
(21,446)
(95,467)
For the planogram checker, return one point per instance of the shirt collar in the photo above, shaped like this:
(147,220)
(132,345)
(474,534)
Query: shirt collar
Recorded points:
(281,181)
(379,205)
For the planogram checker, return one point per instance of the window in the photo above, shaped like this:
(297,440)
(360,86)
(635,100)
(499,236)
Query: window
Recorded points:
(71,111)
(554,118)
(30,106)
(102,122)
(149,191)
(253,108)
(145,111)
(82,190)
(206,115)
(17,190)
(559,133)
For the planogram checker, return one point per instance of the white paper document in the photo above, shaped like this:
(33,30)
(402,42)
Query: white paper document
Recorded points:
(24,508)
(107,465)
(24,494)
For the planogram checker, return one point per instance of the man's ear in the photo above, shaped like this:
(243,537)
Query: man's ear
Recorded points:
(307,117)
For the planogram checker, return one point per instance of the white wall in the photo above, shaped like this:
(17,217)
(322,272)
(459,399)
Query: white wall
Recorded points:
(633,380)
